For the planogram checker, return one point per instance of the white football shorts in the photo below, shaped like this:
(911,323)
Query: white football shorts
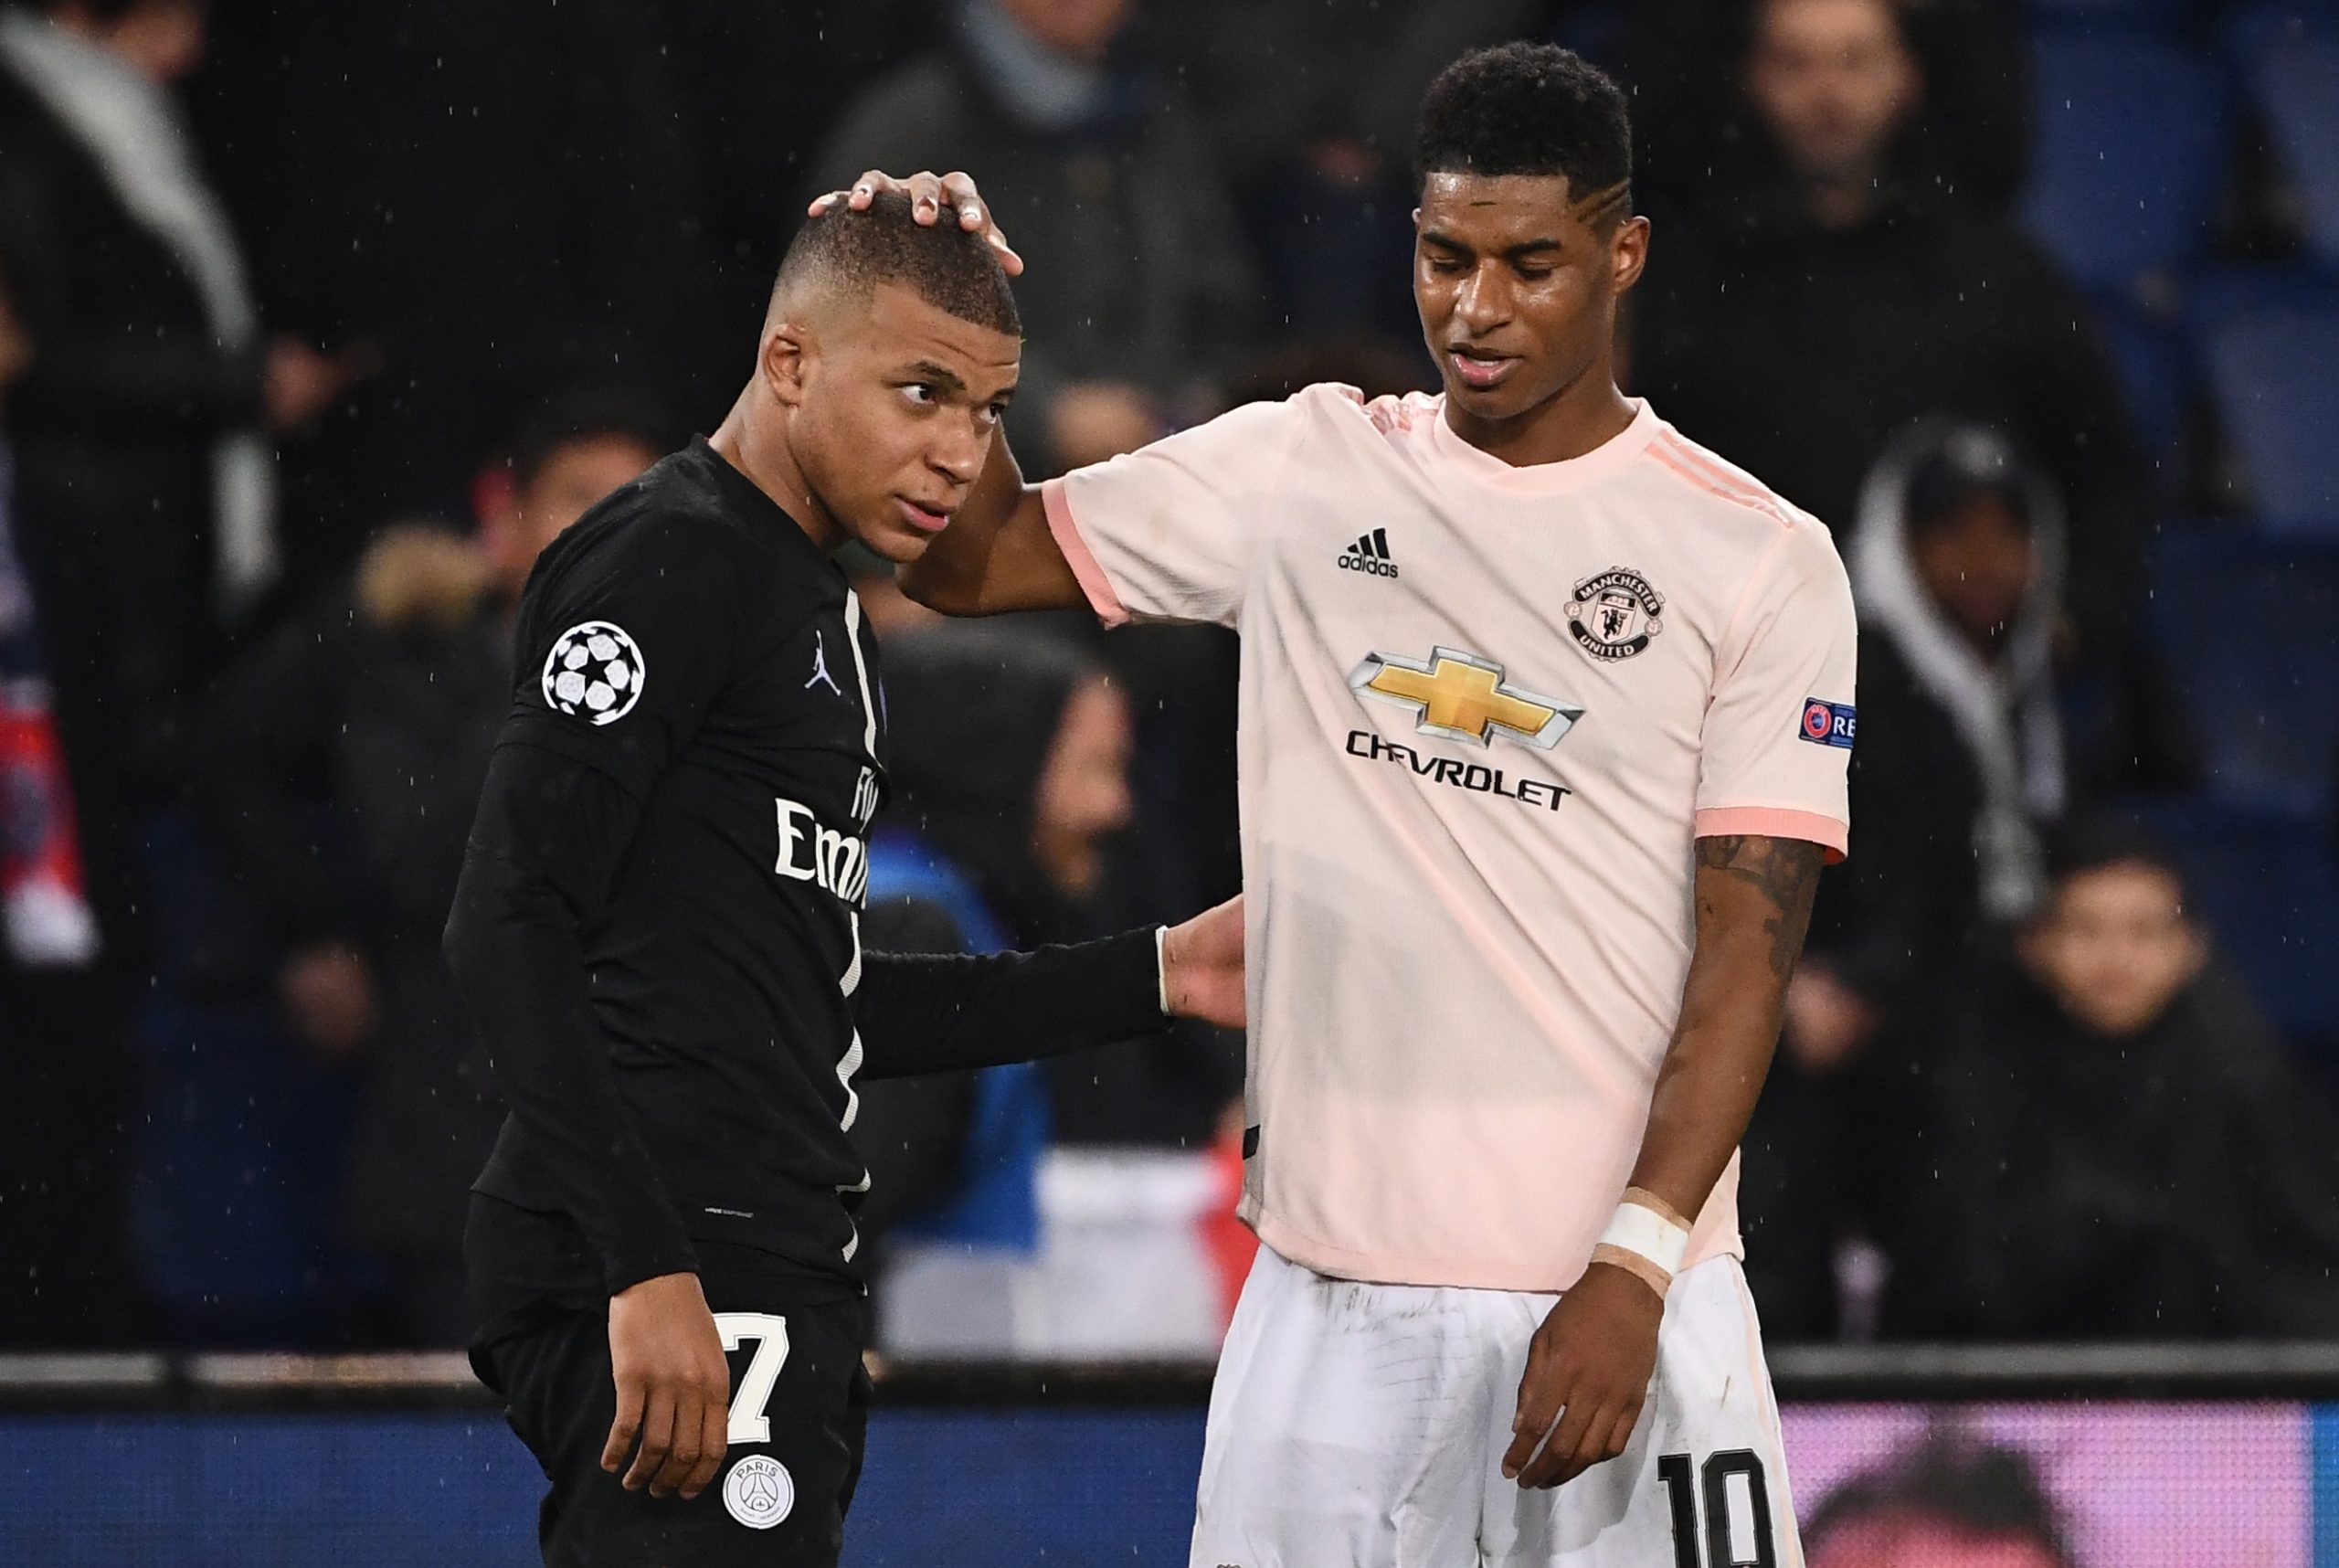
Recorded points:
(1357,1426)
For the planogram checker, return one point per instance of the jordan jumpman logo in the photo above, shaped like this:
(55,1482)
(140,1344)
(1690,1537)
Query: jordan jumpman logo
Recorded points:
(820,664)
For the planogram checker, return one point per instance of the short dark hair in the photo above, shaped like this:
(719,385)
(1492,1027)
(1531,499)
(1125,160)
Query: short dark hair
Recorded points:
(950,268)
(584,413)
(1981,1490)
(2097,843)
(1527,108)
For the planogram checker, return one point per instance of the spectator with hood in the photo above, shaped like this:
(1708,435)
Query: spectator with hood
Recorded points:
(2116,1144)
(1150,295)
(1011,761)
(1978,730)
(1838,295)
(343,765)
(1975,736)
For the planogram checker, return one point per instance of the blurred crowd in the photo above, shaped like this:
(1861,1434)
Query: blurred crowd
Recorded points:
(318,322)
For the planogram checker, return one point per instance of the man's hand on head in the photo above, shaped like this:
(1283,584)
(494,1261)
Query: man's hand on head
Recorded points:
(930,193)
(1588,1374)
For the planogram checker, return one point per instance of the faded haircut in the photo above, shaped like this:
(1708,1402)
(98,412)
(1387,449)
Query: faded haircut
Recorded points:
(1531,109)
(848,254)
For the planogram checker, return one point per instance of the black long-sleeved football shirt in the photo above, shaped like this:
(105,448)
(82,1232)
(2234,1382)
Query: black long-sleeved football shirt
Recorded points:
(657,929)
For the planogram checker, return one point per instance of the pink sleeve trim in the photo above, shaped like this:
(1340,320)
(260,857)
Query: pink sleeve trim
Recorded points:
(1080,558)
(1777,823)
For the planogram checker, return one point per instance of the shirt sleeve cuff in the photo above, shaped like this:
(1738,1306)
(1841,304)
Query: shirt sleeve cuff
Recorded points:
(1830,834)
(1080,557)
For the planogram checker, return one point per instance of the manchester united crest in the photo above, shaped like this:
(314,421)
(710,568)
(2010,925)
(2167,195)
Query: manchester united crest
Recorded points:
(1613,615)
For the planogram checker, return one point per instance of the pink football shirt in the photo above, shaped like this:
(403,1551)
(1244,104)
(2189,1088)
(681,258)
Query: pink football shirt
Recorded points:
(1485,712)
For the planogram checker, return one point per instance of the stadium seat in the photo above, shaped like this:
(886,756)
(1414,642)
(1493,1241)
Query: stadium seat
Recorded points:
(2157,375)
(2223,292)
(2132,147)
(2250,36)
(2268,884)
(2298,87)
(2251,627)
(2275,376)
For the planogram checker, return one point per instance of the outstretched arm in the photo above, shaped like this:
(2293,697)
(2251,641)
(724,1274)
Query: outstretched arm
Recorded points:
(943,1012)
(1589,1367)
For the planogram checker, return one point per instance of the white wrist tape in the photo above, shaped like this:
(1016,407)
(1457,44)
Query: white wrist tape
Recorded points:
(1161,964)
(1638,1229)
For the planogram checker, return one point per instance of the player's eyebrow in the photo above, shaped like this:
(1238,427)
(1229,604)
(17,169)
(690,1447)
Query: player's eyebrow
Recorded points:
(944,379)
(1520,251)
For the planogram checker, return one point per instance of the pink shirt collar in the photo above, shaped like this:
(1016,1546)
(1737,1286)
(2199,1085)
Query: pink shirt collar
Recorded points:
(1548,478)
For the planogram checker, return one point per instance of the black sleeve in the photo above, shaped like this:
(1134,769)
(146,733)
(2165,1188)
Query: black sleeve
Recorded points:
(936,1014)
(626,640)
(546,842)
(639,614)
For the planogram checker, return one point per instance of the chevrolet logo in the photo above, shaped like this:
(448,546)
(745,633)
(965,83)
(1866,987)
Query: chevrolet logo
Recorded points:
(1464,697)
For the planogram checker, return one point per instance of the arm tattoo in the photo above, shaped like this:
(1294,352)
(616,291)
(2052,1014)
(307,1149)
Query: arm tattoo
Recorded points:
(1785,872)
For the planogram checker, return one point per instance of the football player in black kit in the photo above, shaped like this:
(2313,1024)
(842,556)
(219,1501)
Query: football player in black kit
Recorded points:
(657,928)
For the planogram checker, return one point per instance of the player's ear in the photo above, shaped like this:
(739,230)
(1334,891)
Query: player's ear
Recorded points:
(1628,252)
(788,349)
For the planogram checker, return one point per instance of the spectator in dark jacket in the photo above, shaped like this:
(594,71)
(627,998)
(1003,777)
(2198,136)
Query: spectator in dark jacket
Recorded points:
(1102,177)
(345,761)
(1978,729)
(1798,327)
(145,482)
(2117,1146)
(1975,738)
(60,1190)
(1968,136)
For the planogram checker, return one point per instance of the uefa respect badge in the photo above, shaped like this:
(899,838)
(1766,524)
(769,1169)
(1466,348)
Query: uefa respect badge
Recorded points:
(1829,723)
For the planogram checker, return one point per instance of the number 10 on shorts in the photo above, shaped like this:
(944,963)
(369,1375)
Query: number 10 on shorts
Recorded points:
(1720,1539)
(750,1421)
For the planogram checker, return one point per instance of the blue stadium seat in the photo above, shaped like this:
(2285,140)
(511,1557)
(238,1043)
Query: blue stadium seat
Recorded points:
(2250,625)
(2132,148)
(2275,376)
(2297,86)
(2156,373)
(2249,36)
(2268,884)
(2222,291)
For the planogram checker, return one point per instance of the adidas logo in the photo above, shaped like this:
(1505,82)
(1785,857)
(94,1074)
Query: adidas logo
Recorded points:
(1369,554)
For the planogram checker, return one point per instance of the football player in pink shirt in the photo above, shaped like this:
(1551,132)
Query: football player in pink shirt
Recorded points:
(1546,716)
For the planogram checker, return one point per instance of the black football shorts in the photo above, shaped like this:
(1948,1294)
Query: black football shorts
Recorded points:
(800,1402)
